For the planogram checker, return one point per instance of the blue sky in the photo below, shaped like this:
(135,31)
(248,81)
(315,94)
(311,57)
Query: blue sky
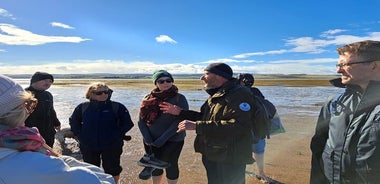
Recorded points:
(181,36)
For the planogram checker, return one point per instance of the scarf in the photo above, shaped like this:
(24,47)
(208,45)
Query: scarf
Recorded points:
(23,138)
(149,109)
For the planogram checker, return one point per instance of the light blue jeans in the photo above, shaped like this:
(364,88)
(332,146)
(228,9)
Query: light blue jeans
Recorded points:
(259,147)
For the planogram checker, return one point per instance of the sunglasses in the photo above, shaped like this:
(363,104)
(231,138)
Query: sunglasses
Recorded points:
(30,105)
(162,81)
(101,92)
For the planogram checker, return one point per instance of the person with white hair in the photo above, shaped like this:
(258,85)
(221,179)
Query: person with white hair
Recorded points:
(24,155)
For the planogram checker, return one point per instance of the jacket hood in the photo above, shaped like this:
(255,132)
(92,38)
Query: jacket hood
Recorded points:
(4,152)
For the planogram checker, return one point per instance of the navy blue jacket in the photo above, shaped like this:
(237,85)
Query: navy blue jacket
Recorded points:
(99,127)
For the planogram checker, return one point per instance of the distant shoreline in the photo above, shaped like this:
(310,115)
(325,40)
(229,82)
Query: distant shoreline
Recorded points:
(187,82)
(178,76)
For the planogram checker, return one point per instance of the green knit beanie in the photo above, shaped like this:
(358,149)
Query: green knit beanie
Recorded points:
(161,73)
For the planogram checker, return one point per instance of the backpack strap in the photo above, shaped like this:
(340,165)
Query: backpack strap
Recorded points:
(84,106)
(115,109)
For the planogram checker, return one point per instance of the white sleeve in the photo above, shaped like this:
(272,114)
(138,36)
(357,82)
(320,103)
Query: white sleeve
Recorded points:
(99,172)
(31,167)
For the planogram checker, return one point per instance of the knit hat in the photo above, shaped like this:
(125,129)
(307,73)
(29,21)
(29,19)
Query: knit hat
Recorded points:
(10,91)
(161,73)
(40,76)
(247,79)
(220,69)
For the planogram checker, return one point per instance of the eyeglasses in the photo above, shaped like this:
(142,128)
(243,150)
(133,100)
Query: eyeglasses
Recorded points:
(101,92)
(342,65)
(30,105)
(162,81)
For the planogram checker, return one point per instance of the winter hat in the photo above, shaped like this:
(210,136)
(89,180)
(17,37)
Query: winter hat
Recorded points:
(40,76)
(10,91)
(247,79)
(161,73)
(220,69)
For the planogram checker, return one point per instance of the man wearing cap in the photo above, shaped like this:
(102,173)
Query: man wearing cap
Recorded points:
(223,126)
(44,117)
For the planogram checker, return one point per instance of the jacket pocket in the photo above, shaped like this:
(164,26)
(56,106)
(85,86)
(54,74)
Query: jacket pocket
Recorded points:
(216,148)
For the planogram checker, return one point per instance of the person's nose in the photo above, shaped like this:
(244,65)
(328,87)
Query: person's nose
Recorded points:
(202,77)
(339,69)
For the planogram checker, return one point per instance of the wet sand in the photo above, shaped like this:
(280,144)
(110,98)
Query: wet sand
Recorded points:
(287,157)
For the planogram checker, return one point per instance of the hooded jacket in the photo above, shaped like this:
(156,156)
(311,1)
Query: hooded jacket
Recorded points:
(35,168)
(99,127)
(346,147)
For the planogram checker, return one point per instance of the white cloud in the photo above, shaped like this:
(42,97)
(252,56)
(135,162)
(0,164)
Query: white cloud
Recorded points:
(307,44)
(245,55)
(164,39)
(100,66)
(16,36)
(5,13)
(312,45)
(312,66)
(58,24)
(328,33)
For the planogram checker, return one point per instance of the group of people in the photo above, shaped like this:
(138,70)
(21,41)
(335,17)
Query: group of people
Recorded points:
(345,147)
(100,125)
(25,156)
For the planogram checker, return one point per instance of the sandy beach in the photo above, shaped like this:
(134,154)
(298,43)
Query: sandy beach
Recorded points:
(287,155)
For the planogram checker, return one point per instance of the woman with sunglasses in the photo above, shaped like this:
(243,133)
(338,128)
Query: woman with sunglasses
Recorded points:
(100,126)
(24,155)
(161,142)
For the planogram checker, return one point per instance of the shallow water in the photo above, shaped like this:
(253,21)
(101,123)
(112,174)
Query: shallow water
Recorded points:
(288,100)
(298,108)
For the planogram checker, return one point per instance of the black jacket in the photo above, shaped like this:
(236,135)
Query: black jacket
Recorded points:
(44,116)
(223,125)
(346,144)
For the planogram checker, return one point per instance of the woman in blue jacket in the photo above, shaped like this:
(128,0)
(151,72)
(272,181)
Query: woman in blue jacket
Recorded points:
(100,126)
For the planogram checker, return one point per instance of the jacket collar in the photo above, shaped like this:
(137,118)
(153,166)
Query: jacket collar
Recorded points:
(226,87)
(371,96)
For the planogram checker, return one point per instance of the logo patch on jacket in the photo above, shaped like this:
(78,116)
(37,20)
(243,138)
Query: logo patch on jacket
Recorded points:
(244,106)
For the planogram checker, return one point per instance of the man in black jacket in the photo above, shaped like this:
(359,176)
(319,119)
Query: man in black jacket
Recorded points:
(222,126)
(44,117)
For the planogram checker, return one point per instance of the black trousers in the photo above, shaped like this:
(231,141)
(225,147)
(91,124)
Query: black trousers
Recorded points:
(224,173)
